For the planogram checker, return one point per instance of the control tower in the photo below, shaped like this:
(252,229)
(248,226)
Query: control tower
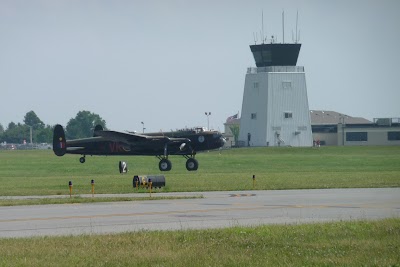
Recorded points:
(275,105)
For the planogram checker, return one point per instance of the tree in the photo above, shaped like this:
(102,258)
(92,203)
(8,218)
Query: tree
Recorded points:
(235,128)
(16,133)
(11,126)
(1,132)
(31,119)
(44,135)
(83,124)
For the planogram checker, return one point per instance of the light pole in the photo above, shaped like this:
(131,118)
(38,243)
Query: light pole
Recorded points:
(342,122)
(208,120)
(30,130)
(143,126)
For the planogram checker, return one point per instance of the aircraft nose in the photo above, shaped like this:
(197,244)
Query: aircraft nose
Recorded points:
(219,140)
(222,141)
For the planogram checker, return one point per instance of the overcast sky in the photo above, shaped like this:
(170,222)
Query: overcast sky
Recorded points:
(167,62)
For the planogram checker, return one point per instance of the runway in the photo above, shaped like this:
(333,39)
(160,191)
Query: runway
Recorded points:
(214,210)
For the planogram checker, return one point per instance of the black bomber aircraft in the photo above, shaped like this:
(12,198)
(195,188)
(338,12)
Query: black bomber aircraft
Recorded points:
(182,142)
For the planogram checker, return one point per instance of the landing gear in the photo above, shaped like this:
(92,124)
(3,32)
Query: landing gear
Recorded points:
(192,164)
(82,159)
(165,165)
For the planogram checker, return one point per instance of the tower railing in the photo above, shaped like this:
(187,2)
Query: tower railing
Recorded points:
(253,70)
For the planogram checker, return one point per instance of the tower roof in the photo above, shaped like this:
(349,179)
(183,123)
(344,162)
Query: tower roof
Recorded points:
(275,54)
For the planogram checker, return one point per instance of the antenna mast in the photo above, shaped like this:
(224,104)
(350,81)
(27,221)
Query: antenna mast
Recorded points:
(262,25)
(283,25)
(297,21)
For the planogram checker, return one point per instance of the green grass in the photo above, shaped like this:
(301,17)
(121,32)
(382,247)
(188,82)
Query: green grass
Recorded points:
(42,173)
(375,243)
(362,243)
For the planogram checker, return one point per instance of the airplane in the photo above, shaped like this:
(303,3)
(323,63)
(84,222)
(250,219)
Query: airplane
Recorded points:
(186,142)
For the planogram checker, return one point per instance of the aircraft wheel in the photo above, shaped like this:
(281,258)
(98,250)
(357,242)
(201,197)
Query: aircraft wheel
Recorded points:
(82,160)
(165,165)
(192,164)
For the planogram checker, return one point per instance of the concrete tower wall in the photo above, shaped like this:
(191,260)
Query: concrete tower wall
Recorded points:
(275,108)
(254,110)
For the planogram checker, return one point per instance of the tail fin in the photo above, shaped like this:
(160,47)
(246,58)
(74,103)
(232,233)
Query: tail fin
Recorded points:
(96,129)
(59,142)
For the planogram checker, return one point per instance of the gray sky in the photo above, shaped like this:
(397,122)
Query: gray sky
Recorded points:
(167,62)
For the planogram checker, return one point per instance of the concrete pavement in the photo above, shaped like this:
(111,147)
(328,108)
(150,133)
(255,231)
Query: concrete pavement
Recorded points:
(214,210)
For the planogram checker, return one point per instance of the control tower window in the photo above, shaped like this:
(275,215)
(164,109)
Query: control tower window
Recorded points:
(288,115)
(287,85)
(255,85)
(253,116)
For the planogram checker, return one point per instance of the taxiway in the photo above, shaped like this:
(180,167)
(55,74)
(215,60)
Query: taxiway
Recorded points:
(214,210)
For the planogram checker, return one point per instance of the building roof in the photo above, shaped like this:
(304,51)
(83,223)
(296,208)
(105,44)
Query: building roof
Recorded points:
(320,117)
(233,121)
(332,117)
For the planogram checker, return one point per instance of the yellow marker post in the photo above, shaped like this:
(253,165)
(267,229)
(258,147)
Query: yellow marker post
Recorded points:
(254,181)
(92,183)
(150,185)
(144,181)
(70,189)
(135,182)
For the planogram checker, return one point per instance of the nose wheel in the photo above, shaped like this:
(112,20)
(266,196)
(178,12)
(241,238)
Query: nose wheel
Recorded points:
(82,159)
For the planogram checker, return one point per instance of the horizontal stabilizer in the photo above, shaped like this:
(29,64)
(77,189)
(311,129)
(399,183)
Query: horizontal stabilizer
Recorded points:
(75,148)
(82,141)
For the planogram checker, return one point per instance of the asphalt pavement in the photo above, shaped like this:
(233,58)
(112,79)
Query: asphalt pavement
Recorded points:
(214,210)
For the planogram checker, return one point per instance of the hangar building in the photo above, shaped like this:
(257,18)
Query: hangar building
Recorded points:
(336,129)
(333,128)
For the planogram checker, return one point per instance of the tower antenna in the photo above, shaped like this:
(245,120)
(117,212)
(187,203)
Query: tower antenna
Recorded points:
(297,22)
(283,26)
(262,25)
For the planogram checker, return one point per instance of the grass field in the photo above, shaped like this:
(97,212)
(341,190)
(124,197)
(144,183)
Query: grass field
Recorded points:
(362,243)
(372,243)
(42,173)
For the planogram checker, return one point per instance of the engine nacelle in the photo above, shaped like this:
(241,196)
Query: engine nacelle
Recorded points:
(182,146)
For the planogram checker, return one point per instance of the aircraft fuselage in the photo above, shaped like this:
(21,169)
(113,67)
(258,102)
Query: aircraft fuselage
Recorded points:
(184,142)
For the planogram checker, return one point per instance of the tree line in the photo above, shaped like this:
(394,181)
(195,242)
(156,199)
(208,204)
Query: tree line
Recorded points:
(79,127)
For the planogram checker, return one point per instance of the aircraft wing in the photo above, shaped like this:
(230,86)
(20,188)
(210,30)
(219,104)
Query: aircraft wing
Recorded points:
(129,138)
(179,140)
